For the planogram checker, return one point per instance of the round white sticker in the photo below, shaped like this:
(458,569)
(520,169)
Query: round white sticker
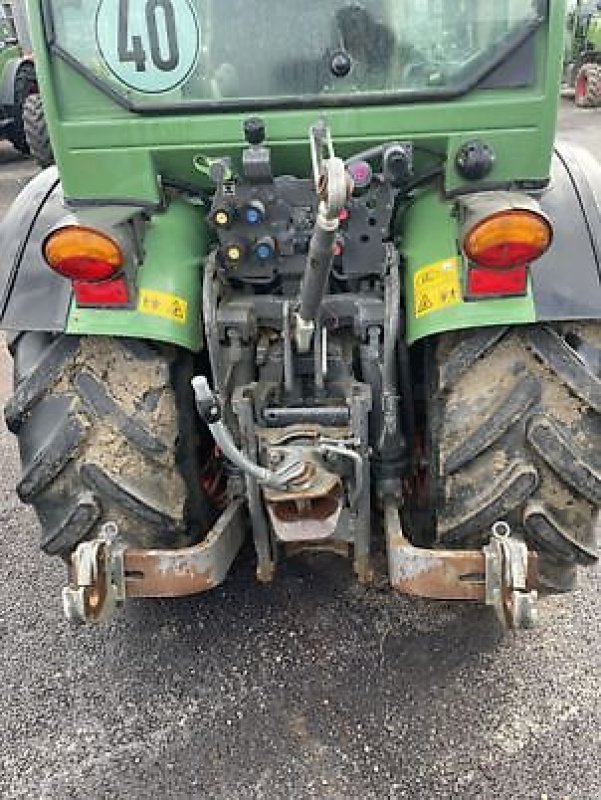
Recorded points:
(149,45)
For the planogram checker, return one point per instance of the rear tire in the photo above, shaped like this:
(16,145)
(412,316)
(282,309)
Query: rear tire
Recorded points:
(36,131)
(25,85)
(588,86)
(106,431)
(515,434)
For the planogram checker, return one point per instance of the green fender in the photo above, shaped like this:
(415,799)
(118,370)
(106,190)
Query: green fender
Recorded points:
(565,284)
(168,285)
(10,60)
(431,253)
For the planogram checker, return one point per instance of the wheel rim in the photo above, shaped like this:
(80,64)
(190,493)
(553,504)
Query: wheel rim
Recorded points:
(581,86)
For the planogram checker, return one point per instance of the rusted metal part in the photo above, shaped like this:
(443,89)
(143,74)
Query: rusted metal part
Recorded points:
(309,508)
(103,572)
(312,481)
(510,576)
(280,437)
(337,547)
(189,570)
(503,576)
(96,580)
(305,521)
(437,574)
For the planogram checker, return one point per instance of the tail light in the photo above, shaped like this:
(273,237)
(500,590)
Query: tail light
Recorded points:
(500,247)
(508,239)
(92,260)
(82,254)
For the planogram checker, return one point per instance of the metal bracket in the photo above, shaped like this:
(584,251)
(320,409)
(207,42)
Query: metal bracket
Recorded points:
(507,579)
(502,575)
(104,571)
(97,584)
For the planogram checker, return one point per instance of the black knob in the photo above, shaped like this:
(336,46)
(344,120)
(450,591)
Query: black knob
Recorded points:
(340,64)
(209,409)
(254,130)
(475,160)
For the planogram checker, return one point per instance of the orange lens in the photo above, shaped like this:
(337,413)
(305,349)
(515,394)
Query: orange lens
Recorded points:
(508,239)
(82,253)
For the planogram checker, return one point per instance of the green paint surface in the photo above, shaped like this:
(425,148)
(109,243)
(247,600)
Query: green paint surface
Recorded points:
(429,235)
(175,245)
(105,152)
(8,54)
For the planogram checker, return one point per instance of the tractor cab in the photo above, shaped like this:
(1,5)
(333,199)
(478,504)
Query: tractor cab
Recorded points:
(180,53)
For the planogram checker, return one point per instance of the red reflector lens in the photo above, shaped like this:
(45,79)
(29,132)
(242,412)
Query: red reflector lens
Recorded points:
(84,268)
(110,293)
(502,255)
(497,283)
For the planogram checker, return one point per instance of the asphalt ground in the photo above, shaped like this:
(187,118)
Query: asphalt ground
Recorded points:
(311,688)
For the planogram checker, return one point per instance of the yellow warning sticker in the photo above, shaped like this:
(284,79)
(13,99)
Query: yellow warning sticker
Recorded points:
(436,287)
(163,304)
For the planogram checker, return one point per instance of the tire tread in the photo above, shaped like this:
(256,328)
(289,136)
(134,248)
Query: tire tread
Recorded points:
(519,428)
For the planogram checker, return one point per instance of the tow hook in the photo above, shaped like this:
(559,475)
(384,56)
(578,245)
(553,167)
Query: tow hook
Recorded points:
(97,578)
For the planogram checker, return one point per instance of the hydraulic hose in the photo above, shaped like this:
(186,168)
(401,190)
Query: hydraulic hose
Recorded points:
(209,411)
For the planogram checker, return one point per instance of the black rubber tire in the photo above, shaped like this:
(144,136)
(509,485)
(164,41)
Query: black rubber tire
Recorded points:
(515,434)
(36,131)
(25,85)
(107,431)
(590,97)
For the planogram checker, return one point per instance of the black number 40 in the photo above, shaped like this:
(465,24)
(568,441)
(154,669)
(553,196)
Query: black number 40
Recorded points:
(134,50)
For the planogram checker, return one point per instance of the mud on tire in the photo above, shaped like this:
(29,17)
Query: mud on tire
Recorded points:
(516,435)
(106,431)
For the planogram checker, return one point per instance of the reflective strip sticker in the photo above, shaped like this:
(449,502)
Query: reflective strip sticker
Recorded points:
(162,304)
(436,287)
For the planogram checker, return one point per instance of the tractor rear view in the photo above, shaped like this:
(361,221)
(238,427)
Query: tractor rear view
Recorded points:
(582,68)
(325,286)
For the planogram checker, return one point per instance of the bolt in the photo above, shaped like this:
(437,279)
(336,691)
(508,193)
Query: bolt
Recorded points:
(110,529)
(275,458)
(501,529)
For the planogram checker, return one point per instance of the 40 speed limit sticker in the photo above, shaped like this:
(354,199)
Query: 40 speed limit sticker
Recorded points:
(151,46)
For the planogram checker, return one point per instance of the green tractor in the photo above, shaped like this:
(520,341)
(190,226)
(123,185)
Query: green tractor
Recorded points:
(17,81)
(582,60)
(22,118)
(314,287)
